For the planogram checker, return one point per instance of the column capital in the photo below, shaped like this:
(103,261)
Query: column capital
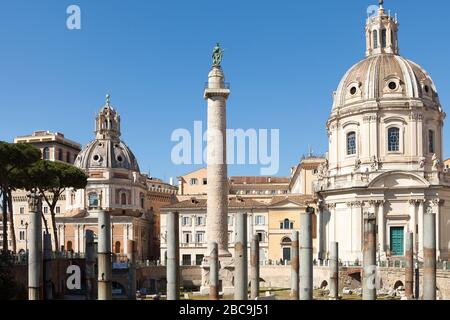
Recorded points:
(369,216)
(437,202)
(331,205)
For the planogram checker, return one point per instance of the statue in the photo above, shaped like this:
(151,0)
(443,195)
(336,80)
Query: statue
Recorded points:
(376,163)
(436,162)
(217,55)
(381,2)
(34,199)
(422,162)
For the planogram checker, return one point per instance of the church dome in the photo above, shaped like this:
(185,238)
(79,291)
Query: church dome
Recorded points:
(107,154)
(385,76)
(107,150)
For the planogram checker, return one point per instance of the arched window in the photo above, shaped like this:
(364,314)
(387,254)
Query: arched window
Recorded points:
(286,241)
(60,154)
(431,148)
(383,38)
(375,39)
(46,153)
(117,247)
(123,198)
(287,224)
(351,143)
(394,139)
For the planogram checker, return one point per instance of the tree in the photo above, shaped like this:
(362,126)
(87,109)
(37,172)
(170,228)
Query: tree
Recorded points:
(52,179)
(15,159)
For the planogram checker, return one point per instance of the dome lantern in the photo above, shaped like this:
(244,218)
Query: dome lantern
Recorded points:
(107,122)
(382,33)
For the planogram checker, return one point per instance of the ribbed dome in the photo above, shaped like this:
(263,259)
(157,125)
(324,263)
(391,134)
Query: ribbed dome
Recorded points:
(107,154)
(107,150)
(384,76)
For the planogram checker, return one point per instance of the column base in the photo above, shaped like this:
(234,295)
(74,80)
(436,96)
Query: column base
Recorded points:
(226,275)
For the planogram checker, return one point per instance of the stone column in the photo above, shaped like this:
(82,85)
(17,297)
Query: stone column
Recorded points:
(369,257)
(295,282)
(104,256)
(437,203)
(331,225)
(34,246)
(213,253)
(217,94)
(241,259)
(429,258)
(412,220)
(381,227)
(306,257)
(47,261)
(90,262)
(320,233)
(131,246)
(334,271)
(173,256)
(420,233)
(409,268)
(254,262)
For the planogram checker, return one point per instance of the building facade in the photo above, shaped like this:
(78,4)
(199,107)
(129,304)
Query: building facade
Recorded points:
(385,152)
(272,206)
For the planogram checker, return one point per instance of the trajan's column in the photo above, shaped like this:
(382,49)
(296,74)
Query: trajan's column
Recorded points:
(216,93)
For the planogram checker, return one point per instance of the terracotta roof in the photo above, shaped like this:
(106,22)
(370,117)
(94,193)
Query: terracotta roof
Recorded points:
(259,187)
(298,199)
(233,203)
(258,180)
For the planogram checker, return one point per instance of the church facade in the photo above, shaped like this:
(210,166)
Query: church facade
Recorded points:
(385,153)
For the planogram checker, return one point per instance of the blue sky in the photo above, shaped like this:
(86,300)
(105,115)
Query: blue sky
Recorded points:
(283,60)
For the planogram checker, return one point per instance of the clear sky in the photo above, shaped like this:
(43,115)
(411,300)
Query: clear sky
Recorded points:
(283,59)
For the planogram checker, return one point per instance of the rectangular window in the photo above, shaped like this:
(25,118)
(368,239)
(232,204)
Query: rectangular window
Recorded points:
(22,235)
(194,182)
(200,237)
(205,181)
(394,139)
(186,221)
(351,143)
(57,210)
(199,259)
(186,259)
(261,236)
(230,220)
(230,237)
(45,209)
(200,221)
(431,141)
(22,210)
(187,237)
(260,220)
